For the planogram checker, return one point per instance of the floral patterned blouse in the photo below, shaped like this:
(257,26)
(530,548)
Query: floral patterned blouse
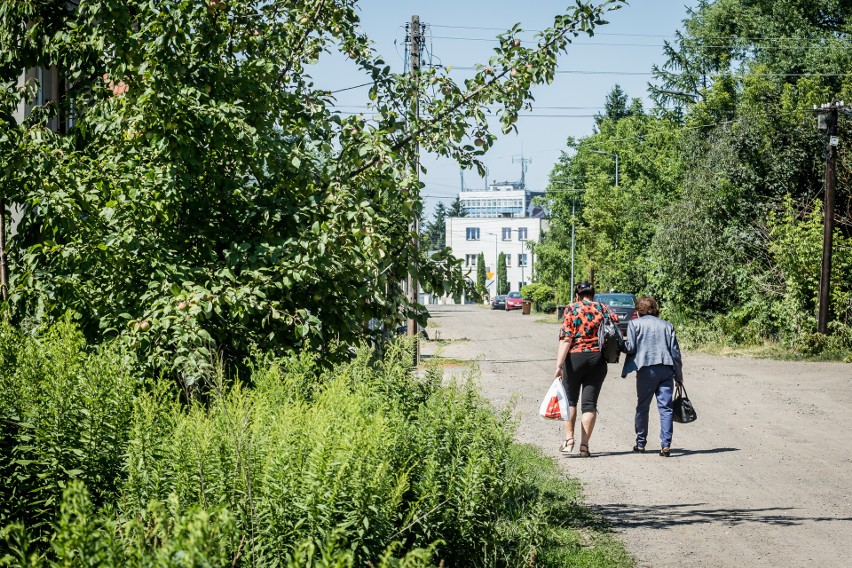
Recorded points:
(581,322)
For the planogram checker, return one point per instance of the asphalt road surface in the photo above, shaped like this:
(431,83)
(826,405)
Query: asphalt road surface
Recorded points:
(763,478)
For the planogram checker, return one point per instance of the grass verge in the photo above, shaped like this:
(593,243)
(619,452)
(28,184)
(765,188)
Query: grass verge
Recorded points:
(566,532)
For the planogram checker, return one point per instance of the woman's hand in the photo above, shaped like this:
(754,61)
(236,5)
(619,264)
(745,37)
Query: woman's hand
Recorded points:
(558,373)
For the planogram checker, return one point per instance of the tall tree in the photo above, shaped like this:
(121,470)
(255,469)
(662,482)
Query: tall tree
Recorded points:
(502,281)
(436,230)
(480,271)
(713,192)
(456,209)
(615,106)
(208,197)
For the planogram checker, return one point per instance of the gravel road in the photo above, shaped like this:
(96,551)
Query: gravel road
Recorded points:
(763,478)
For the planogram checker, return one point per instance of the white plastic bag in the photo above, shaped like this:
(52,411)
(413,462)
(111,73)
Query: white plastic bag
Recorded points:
(555,403)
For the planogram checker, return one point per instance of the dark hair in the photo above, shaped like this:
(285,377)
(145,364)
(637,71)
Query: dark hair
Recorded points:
(585,290)
(647,306)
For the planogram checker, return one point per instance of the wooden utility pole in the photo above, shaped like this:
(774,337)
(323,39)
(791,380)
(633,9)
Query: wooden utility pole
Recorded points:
(828,121)
(413,287)
(4,276)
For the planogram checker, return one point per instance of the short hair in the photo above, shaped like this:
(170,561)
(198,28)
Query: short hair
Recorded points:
(647,306)
(585,290)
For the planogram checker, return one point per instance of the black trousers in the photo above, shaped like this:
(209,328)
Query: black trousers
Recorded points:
(585,373)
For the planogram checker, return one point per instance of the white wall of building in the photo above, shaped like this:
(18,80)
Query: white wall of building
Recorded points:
(496,235)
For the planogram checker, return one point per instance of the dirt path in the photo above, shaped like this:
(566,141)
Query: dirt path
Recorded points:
(763,478)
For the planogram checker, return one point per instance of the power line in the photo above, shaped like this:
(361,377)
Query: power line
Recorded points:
(352,87)
(650,73)
(689,42)
(673,36)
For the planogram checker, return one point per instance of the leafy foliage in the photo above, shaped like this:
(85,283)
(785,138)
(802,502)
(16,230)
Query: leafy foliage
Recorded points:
(436,230)
(502,279)
(541,295)
(65,415)
(366,465)
(207,198)
(480,271)
(719,210)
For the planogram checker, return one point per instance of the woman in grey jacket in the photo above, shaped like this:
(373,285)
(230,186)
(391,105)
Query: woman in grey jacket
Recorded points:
(653,352)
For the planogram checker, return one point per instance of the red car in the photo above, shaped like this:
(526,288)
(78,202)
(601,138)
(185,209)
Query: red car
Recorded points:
(514,301)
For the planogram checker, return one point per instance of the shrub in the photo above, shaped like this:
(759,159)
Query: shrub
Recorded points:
(542,296)
(364,465)
(65,415)
(372,458)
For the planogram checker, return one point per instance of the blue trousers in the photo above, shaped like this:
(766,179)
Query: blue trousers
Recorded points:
(650,381)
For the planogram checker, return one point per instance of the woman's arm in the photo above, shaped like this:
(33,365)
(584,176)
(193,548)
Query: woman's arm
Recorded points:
(674,349)
(630,340)
(561,354)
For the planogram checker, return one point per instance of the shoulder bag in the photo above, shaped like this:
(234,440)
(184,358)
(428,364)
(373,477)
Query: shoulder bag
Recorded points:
(610,340)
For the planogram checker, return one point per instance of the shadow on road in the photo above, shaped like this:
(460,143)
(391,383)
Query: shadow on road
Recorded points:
(685,452)
(663,516)
(676,452)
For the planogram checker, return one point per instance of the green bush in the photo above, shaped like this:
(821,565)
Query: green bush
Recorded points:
(364,465)
(372,458)
(65,415)
(542,296)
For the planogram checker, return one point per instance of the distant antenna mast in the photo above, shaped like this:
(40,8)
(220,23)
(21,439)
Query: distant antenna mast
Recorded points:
(461,175)
(523,161)
(486,178)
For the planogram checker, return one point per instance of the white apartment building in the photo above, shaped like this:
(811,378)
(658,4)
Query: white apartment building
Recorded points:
(470,236)
(501,218)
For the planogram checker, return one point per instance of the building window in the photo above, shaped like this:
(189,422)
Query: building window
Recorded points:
(508,258)
(522,234)
(507,233)
(470,260)
(522,259)
(472,233)
(521,285)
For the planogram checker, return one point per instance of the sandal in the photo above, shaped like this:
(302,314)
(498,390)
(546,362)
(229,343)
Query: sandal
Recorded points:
(567,446)
(665,452)
(639,449)
(584,453)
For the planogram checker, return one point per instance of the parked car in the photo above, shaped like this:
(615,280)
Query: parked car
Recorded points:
(514,301)
(499,302)
(623,305)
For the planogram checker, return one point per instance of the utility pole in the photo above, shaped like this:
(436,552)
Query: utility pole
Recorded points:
(414,58)
(827,120)
(4,276)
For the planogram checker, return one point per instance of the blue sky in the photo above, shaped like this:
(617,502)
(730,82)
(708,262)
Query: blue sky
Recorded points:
(461,34)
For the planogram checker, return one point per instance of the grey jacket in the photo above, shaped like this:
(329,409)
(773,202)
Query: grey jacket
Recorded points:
(651,341)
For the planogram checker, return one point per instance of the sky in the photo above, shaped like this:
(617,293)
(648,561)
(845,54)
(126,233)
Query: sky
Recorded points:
(462,33)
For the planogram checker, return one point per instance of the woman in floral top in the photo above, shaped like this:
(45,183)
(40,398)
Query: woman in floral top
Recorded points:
(585,369)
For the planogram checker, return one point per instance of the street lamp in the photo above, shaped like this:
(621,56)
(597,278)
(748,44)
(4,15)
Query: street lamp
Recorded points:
(573,220)
(614,154)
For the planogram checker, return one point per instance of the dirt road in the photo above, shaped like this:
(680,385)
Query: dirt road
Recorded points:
(763,478)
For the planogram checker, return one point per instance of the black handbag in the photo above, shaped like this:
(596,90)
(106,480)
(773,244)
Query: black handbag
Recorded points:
(610,340)
(682,408)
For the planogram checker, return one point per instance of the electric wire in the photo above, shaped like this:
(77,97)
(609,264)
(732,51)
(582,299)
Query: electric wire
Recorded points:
(613,34)
(592,43)
(352,87)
